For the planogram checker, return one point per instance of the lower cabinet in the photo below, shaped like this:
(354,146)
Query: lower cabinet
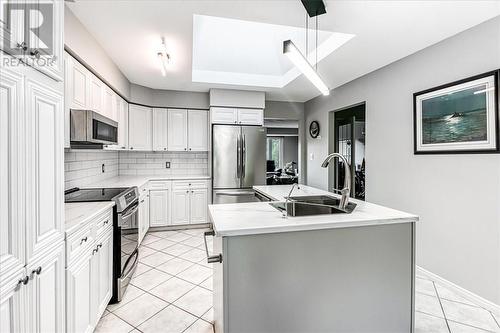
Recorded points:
(33,301)
(159,208)
(189,202)
(89,278)
(143,216)
(180,205)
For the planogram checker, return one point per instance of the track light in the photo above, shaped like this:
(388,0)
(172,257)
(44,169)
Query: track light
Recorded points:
(291,51)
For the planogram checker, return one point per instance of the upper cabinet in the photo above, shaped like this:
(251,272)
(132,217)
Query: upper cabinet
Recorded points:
(160,129)
(237,116)
(76,84)
(177,130)
(43,49)
(139,129)
(197,130)
(96,91)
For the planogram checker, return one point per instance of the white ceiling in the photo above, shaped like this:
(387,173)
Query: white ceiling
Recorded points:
(385,31)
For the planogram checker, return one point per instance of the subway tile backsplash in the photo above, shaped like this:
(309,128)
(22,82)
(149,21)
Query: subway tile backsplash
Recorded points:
(154,163)
(84,167)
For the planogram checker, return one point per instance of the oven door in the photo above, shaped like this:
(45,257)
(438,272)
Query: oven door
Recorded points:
(129,251)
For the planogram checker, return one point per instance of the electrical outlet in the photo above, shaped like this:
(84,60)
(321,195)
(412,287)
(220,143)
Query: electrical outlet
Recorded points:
(167,165)
(103,168)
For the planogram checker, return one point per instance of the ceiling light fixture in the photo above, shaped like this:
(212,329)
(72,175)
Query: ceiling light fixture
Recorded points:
(163,57)
(293,53)
(314,8)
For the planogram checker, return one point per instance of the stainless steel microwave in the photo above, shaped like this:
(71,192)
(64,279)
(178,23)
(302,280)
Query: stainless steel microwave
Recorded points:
(90,128)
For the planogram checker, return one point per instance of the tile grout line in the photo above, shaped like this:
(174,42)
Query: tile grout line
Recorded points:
(442,308)
(494,318)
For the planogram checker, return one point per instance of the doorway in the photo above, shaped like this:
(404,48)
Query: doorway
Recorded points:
(347,137)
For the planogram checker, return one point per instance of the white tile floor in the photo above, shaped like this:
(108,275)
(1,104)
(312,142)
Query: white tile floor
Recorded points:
(171,292)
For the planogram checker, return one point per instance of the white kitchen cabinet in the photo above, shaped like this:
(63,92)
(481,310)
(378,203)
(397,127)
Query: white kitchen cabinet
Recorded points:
(198,206)
(251,116)
(180,205)
(78,295)
(13,315)
(96,92)
(221,115)
(89,273)
(12,221)
(46,292)
(123,125)
(76,84)
(159,207)
(108,103)
(160,129)
(224,115)
(143,216)
(189,202)
(177,130)
(197,130)
(44,167)
(139,128)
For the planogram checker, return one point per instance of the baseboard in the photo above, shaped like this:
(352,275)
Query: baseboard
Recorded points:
(181,227)
(488,305)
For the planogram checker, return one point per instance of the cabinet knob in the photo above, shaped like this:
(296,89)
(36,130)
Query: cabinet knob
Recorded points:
(192,191)
(131,148)
(189,148)
(37,271)
(106,222)
(99,246)
(83,240)
(94,251)
(24,280)
(185,148)
(187,191)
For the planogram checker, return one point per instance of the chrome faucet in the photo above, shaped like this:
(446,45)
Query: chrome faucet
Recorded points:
(285,213)
(346,191)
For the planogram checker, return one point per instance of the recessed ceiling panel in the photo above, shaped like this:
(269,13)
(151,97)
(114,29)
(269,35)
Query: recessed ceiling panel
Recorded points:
(238,52)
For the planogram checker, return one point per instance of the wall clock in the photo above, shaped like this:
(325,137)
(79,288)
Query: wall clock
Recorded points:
(314,129)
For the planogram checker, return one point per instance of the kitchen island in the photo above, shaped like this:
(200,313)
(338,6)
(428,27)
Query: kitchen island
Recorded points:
(323,273)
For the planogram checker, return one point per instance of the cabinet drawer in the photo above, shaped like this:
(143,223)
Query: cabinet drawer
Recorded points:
(160,185)
(78,242)
(103,222)
(189,184)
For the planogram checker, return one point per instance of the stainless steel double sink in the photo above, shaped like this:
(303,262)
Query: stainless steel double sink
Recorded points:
(312,205)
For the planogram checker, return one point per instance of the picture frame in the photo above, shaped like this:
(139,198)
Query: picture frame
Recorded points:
(460,117)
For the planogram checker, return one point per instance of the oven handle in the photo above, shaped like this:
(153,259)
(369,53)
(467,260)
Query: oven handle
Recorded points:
(130,211)
(134,254)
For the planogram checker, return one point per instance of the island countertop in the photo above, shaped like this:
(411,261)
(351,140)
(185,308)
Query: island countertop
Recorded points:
(261,218)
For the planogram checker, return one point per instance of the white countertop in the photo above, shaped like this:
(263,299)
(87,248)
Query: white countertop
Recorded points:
(80,212)
(129,181)
(260,217)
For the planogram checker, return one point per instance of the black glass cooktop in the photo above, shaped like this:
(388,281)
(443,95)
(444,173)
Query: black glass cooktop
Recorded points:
(92,194)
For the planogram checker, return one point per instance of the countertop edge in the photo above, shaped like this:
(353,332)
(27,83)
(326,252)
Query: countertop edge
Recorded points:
(106,205)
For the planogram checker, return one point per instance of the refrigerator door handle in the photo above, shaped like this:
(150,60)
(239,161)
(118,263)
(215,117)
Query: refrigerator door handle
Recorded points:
(243,156)
(238,157)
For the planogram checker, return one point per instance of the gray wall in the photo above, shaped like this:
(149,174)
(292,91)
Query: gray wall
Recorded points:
(456,196)
(290,149)
(78,39)
(169,98)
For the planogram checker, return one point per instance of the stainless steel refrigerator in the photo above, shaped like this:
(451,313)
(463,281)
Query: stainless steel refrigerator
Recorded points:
(238,162)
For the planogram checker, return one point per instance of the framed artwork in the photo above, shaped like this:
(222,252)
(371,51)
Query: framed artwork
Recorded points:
(459,117)
(314,129)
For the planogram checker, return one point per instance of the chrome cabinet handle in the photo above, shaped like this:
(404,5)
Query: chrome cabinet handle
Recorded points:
(214,258)
(94,251)
(99,246)
(22,46)
(35,53)
(106,222)
(83,240)
(24,280)
(37,271)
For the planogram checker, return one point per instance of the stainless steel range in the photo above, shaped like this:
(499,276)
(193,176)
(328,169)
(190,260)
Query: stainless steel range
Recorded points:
(125,230)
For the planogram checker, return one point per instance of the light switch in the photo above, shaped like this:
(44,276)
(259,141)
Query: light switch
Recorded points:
(311,156)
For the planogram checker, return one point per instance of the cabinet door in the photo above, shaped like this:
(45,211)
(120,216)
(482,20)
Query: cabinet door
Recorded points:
(251,116)
(143,216)
(180,206)
(139,128)
(96,93)
(12,220)
(160,129)
(78,282)
(14,316)
(12,28)
(224,115)
(94,286)
(44,167)
(46,292)
(77,85)
(199,205)
(107,108)
(198,130)
(123,125)
(105,255)
(46,48)
(177,130)
(159,208)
